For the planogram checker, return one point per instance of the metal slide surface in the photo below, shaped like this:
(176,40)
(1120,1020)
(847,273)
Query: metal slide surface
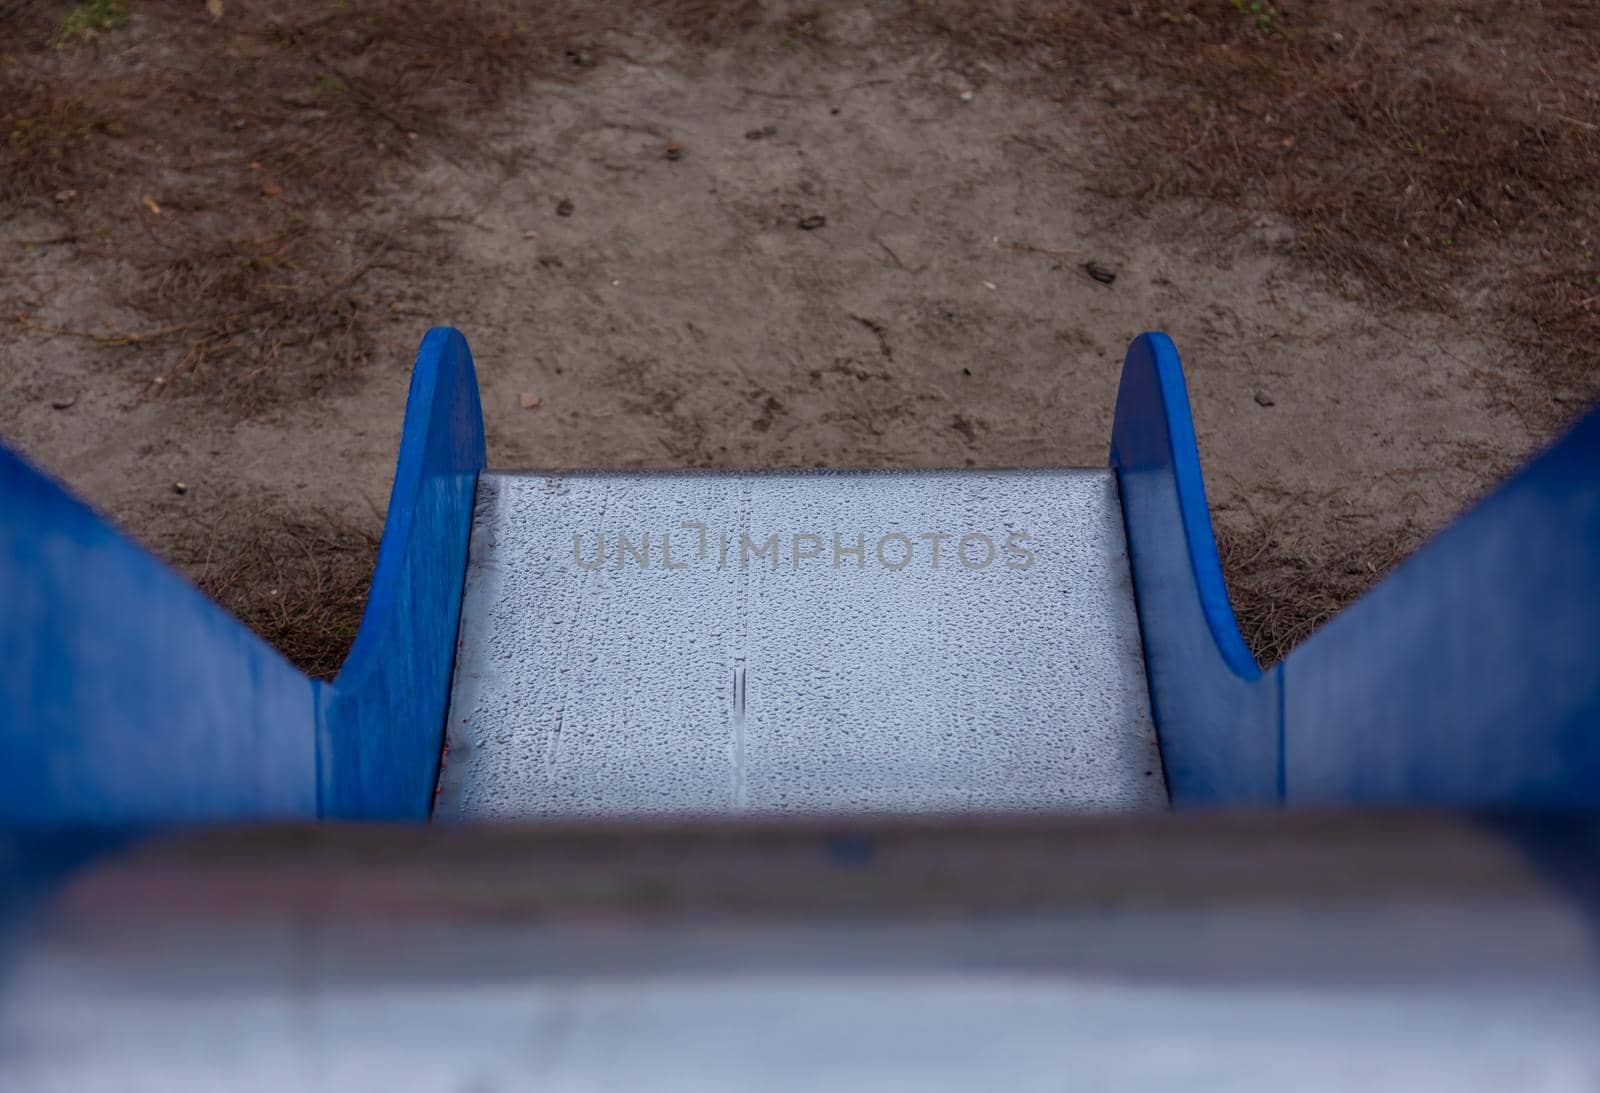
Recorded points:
(708,643)
(1401,952)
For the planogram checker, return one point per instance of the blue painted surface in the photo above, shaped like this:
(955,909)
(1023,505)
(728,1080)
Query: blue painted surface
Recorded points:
(125,693)
(1472,673)
(1468,677)
(127,696)
(1216,714)
(381,722)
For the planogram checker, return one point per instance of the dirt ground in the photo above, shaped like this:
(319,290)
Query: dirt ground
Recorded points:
(745,235)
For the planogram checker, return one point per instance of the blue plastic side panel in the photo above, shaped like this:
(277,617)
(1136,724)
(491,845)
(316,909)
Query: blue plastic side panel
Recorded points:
(1471,675)
(125,694)
(382,719)
(1216,714)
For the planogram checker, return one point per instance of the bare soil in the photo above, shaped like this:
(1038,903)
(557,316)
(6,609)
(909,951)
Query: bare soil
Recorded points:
(735,235)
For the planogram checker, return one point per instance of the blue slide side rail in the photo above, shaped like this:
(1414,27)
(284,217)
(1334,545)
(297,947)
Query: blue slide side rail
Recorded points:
(128,696)
(1216,712)
(381,722)
(1470,676)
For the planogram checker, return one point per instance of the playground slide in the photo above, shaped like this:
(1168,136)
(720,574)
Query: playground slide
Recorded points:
(932,780)
(614,645)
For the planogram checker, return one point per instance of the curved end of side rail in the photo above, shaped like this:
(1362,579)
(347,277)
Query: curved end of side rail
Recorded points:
(381,720)
(1216,712)
(1467,678)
